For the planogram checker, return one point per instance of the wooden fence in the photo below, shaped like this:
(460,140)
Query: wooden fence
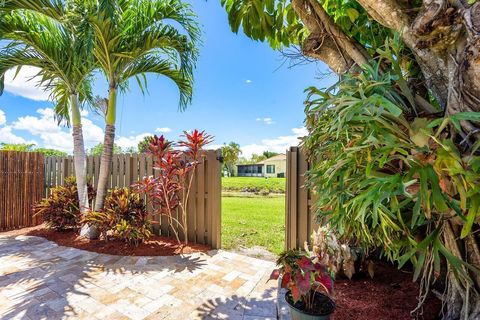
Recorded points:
(299,218)
(204,204)
(22,185)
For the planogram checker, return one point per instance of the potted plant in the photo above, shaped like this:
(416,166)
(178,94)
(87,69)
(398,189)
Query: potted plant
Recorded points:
(308,283)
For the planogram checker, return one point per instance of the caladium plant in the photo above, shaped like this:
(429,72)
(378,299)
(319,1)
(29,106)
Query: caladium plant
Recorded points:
(303,277)
(170,191)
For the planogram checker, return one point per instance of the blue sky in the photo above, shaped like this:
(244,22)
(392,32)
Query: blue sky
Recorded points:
(242,93)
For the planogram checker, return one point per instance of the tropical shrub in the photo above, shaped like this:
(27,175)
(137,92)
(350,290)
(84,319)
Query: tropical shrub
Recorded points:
(336,256)
(61,210)
(389,177)
(124,217)
(170,191)
(102,221)
(303,277)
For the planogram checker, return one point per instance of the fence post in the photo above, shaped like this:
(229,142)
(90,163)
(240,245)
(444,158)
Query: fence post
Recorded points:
(298,217)
(217,200)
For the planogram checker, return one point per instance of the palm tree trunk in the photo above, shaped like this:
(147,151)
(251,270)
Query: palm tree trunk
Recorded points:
(91,232)
(107,154)
(79,156)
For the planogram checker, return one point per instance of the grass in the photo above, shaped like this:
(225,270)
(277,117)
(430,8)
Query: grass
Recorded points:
(253,183)
(252,222)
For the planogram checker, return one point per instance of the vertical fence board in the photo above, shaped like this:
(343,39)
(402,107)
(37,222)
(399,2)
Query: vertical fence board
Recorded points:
(209,206)
(302,202)
(198,219)
(292,194)
(121,171)
(96,170)
(217,200)
(128,170)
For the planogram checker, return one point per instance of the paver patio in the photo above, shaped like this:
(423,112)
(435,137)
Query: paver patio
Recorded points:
(41,280)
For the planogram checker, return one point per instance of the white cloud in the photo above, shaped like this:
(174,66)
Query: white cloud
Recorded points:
(92,134)
(44,126)
(248,81)
(279,144)
(163,130)
(267,120)
(6,134)
(3,118)
(25,84)
(213,146)
(131,141)
(300,132)
(56,137)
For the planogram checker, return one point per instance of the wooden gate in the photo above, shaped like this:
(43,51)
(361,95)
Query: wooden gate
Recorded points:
(22,185)
(299,220)
(204,204)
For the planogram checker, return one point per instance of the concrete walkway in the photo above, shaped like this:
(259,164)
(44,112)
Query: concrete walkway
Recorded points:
(41,280)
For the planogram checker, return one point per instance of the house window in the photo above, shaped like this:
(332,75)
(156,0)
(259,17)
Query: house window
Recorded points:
(270,168)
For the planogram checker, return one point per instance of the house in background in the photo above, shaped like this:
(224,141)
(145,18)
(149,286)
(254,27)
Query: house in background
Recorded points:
(272,167)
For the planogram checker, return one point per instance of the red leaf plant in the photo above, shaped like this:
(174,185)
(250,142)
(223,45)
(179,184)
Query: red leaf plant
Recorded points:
(170,191)
(303,277)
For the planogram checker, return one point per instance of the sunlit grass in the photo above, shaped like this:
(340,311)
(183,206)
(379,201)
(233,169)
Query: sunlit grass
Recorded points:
(252,222)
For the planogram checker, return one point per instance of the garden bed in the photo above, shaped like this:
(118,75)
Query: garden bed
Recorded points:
(155,246)
(391,294)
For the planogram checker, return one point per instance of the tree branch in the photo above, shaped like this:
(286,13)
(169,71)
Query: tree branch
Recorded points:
(327,41)
(391,14)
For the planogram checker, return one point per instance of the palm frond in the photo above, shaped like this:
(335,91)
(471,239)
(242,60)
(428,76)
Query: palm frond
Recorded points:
(40,41)
(51,8)
(154,64)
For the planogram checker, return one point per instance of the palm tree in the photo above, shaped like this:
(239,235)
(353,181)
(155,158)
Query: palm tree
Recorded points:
(36,39)
(131,38)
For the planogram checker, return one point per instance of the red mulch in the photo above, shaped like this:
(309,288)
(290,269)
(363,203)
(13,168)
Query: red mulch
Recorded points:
(155,246)
(390,295)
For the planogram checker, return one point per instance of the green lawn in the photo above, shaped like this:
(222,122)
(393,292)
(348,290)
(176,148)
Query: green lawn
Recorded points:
(241,183)
(252,222)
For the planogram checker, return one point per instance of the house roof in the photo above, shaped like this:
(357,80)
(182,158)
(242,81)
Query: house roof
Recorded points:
(278,157)
(249,165)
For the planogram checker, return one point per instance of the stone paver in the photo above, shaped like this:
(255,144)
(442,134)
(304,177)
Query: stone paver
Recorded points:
(41,280)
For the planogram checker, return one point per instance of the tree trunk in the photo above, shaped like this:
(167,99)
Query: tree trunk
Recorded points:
(105,166)
(79,156)
(107,154)
(89,231)
(462,297)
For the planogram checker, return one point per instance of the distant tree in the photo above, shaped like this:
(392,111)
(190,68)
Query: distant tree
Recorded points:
(16,146)
(27,147)
(98,149)
(51,152)
(268,154)
(243,160)
(131,150)
(143,145)
(230,153)
(257,158)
